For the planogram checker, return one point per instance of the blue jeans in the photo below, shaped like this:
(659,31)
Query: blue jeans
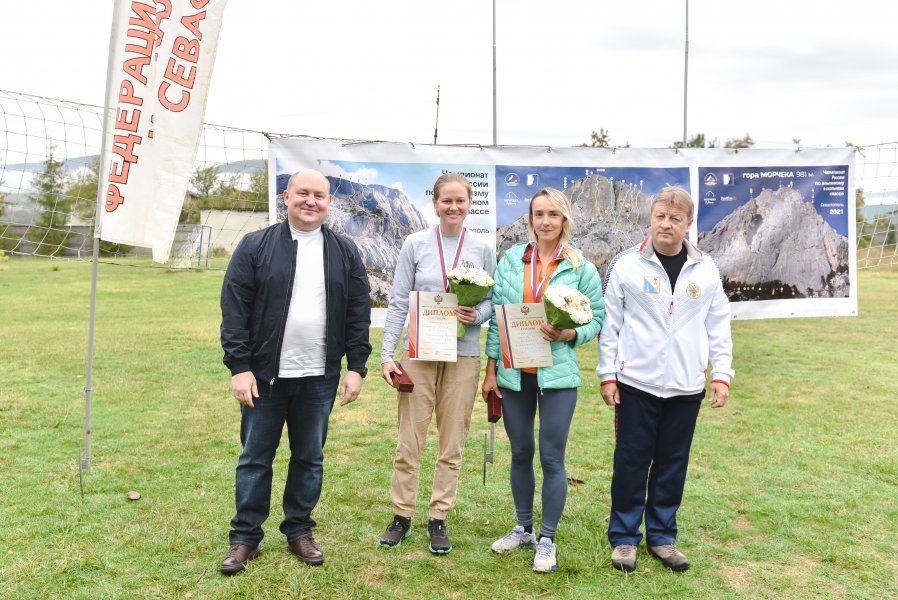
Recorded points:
(304,404)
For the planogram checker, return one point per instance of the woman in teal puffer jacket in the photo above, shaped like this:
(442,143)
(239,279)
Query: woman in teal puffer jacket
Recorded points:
(523,274)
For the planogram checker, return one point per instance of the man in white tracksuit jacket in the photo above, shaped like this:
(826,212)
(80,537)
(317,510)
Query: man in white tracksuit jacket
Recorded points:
(666,316)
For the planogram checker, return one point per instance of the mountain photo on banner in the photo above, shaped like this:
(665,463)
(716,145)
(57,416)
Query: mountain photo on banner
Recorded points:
(377,205)
(610,205)
(776,232)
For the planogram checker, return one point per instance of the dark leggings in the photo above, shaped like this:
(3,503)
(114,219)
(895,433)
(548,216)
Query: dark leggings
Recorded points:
(556,409)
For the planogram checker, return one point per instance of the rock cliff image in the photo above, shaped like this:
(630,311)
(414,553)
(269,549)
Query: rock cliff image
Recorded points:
(610,216)
(778,240)
(377,218)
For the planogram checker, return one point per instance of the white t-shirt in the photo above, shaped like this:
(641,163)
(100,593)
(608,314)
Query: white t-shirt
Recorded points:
(304,348)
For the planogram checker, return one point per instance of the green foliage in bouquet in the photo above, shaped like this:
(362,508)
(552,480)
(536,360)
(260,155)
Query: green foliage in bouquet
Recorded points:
(468,294)
(557,318)
(566,307)
(470,285)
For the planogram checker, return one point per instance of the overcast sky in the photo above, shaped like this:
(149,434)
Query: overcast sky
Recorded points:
(822,71)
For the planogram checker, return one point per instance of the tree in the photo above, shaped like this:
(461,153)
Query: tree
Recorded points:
(864,236)
(49,194)
(82,192)
(697,141)
(219,191)
(2,201)
(602,139)
(258,185)
(598,140)
(204,180)
(739,143)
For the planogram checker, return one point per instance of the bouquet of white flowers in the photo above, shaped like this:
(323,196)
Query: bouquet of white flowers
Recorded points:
(470,285)
(566,308)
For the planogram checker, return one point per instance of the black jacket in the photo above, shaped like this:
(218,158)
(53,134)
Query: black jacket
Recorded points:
(256,293)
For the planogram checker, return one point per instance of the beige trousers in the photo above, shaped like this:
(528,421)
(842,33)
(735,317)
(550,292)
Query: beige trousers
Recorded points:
(447,389)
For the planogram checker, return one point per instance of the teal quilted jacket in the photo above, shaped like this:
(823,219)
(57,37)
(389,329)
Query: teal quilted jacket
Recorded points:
(509,289)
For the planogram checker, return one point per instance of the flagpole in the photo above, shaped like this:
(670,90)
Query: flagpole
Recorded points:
(91,327)
(494,72)
(492,452)
(436,125)
(686,75)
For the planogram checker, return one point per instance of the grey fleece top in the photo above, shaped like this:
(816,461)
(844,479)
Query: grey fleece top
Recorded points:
(418,269)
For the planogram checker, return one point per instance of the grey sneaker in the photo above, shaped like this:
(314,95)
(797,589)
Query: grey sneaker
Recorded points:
(514,539)
(623,558)
(439,537)
(672,558)
(398,530)
(544,561)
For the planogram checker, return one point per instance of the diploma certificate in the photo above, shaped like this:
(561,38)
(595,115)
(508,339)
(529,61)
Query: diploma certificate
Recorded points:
(432,329)
(519,335)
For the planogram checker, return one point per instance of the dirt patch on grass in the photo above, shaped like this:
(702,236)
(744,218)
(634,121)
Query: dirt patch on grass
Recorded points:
(746,579)
(743,525)
(801,569)
(373,576)
(747,532)
(742,579)
(353,416)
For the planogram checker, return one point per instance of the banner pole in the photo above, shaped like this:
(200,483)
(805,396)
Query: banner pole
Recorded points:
(686,75)
(494,72)
(493,425)
(88,380)
(91,328)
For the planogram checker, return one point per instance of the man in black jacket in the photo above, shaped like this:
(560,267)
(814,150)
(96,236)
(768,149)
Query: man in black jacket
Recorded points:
(294,301)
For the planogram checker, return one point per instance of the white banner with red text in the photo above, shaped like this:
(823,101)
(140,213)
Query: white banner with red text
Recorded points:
(160,65)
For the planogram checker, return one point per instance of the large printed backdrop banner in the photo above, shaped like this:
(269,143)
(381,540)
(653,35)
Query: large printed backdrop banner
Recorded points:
(160,63)
(779,224)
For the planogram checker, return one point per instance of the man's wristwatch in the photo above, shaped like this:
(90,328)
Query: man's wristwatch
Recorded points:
(362,371)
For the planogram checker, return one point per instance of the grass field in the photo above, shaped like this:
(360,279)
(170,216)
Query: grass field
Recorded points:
(792,490)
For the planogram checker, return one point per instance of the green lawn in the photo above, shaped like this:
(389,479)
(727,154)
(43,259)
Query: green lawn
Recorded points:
(792,490)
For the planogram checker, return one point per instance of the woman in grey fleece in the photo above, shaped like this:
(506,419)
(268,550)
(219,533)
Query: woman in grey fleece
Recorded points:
(445,388)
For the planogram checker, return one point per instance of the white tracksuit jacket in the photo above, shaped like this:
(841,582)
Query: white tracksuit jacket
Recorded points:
(660,341)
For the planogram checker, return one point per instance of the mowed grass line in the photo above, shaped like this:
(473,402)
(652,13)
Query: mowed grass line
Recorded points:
(791,492)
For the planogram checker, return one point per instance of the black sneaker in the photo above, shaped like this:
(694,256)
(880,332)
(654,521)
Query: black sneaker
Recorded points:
(439,537)
(398,530)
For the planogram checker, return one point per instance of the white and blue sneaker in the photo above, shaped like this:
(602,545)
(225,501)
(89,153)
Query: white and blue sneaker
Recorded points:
(544,561)
(514,539)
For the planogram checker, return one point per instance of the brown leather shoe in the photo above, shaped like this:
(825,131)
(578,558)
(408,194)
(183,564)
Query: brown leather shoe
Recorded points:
(237,557)
(307,550)
(672,558)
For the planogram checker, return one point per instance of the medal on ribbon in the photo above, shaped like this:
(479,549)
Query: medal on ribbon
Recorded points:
(538,289)
(458,247)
